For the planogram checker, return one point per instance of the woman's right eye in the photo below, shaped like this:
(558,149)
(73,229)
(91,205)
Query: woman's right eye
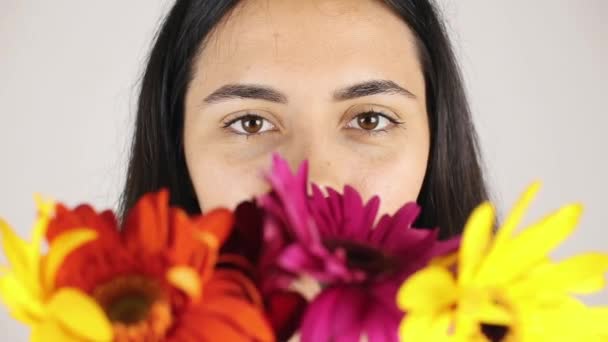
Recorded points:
(250,125)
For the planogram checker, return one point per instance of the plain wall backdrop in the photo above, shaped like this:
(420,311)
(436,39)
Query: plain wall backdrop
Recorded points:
(536,72)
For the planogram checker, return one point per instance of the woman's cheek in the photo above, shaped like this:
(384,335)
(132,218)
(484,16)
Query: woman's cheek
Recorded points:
(397,180)
(221,181)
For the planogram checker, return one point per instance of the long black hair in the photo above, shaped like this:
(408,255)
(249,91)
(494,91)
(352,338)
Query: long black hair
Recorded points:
(453,184)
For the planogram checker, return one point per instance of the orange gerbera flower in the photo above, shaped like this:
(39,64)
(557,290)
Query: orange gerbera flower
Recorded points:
(156,276)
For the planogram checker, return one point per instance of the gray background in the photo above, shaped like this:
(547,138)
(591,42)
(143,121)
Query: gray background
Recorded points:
(535,72)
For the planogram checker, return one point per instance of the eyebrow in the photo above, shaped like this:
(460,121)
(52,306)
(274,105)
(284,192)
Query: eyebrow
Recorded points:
(260,92)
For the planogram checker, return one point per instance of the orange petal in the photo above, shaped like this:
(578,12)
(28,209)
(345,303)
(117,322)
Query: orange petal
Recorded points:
(210,328)
(235,283)
(83,216)
(185,246)
(217,222)
(146,229)
(249,319)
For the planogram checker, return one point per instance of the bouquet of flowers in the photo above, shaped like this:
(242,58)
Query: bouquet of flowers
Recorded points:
(298,262)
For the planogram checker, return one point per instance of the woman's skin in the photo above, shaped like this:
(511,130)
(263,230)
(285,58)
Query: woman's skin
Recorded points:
(335,82)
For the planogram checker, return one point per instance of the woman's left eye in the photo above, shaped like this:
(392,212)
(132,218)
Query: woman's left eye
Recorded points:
(371,121)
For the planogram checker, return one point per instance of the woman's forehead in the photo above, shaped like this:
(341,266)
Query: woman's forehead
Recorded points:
(341,40)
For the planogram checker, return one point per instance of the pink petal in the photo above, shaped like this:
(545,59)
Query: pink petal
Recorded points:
(297,259)
(334,313)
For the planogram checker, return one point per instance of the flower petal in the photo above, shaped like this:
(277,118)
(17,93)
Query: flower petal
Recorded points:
(317,323)
(146,228)
(354,224)
(60,248)
(581,274)
(475,242)
(426,327)
(493,313)
(291,192)
(348,318)
(200,326)
(530,247)
(83,215)
(20,302)
(395,232)
(17,253)
(429,290)
(218,222)
(80,315)
(505,233)
(51,331)
(250,320)
(284,309)
(186,279)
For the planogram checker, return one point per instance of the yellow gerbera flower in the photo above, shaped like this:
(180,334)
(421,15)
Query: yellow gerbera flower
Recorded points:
(27,285)
(506,288)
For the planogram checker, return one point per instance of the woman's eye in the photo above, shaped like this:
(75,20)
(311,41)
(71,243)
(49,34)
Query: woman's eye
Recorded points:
(370,121)
(250,125)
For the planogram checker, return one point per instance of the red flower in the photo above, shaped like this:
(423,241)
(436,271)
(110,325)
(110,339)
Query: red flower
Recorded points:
(156,276)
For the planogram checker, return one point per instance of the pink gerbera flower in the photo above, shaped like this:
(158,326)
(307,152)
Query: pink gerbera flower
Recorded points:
(334,240)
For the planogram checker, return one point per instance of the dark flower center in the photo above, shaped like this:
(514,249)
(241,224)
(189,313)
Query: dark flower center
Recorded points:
(129,308)
(137,307)
(494,333)
(363,257)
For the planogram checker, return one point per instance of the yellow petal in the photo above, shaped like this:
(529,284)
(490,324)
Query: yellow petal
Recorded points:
(186,279)
(46,208)
(445,261)
(16,251)
(19,300)
(475,240)
(529,248)
(51,331)
(429,290)
(599,318)
(414,327)
(425,327)
(80,315)
(61,247)
(505,233)
(492,313)
(565,320)
(581,274)
(441,326)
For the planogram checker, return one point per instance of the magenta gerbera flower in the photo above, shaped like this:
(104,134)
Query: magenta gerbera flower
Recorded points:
(335,240)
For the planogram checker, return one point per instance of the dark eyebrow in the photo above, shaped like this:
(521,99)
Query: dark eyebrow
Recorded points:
(246,91)
(260,92)
(369,88)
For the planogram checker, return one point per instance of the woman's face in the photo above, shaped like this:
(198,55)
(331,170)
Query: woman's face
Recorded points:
(335,82)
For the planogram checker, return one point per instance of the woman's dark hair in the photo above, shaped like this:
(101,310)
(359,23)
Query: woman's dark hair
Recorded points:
(453,184)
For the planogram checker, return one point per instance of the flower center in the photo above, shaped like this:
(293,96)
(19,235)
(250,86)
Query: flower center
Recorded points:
(494,333)
(129,308)
(363,257)
(137,307)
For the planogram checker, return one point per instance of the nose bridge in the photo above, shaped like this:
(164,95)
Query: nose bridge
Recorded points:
(316,147)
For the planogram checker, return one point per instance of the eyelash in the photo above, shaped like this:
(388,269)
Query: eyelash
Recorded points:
(396,123)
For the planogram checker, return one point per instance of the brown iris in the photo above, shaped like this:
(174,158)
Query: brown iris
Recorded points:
(252,124)
(368,121)
(137,307)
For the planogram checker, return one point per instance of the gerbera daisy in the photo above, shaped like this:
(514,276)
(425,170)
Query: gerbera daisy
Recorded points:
(29,289)
(243,250)
(156,277)
(506,288)
(334,240)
